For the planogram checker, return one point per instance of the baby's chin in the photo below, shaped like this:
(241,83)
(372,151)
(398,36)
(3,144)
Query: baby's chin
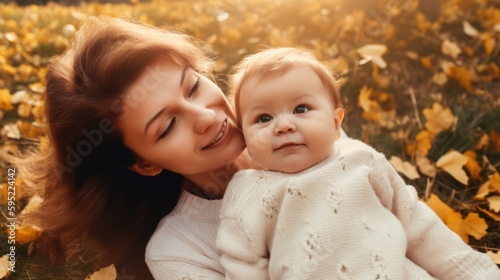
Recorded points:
(291,168)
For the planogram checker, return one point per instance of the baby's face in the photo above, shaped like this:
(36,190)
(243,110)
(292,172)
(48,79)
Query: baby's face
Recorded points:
(289,122)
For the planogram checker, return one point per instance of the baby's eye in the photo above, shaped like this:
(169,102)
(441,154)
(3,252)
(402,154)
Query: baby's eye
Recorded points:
(264,118)
(301,109)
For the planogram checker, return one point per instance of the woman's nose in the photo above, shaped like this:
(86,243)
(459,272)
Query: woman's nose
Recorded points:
(284,125)
(203,118)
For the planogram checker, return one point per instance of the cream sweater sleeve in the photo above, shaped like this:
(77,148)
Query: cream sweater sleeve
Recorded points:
(179,270)
(431,244)
(241,244)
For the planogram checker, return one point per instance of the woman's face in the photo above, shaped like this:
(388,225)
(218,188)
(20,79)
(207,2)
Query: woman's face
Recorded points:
(175,118)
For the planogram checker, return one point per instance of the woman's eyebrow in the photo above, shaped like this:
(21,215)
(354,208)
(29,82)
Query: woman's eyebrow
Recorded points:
(183,75)
(153,119)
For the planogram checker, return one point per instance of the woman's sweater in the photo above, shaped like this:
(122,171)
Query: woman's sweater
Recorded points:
(350,216)
(183,245)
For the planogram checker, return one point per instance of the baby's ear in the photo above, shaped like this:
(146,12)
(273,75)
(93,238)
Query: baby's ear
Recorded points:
(338,117)
(145,169)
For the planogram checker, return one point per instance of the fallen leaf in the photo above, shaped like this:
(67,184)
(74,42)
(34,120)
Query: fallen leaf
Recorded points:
(451,49)
(494,202)
(455,222)
(440,78)
(34,203)
(439,207)
(405,167)
(438,119)
(11,131)
(411,55)
(5,100)
(453,163)
(483,142)
(472,165)
(475,226)
(494,256)
(462,75)
(374,54)
(426,62)
(495,182)
(469,29)
(27,233)
(425,165)
(489,43)
(106,273)
(4,266)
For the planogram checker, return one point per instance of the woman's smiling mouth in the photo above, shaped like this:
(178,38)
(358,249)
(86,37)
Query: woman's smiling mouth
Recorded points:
(219,136)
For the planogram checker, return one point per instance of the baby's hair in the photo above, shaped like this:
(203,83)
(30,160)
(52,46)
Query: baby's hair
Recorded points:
(274,62)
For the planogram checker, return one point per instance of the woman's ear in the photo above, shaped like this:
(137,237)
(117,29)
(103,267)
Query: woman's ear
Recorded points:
(145,169)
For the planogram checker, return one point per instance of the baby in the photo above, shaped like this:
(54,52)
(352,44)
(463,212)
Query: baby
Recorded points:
(323,207)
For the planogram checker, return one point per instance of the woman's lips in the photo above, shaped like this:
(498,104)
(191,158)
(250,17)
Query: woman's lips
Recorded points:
(224,131)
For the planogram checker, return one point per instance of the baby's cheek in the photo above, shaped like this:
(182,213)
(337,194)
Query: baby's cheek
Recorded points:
(258,143)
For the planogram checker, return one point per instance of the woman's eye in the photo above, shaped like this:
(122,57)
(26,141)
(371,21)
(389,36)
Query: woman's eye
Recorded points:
(301,109)
(168,129)
(195,88)
(264,118)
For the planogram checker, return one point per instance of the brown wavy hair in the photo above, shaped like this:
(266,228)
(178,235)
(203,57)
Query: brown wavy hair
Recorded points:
(84,176)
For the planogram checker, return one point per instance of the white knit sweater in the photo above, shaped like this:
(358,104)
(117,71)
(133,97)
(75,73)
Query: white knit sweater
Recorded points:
(349,217)
(183,245)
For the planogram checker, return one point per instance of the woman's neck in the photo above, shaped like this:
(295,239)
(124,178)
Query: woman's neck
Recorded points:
(213,184)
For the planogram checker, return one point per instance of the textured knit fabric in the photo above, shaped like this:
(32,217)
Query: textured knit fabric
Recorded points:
(183,245)
(350,216)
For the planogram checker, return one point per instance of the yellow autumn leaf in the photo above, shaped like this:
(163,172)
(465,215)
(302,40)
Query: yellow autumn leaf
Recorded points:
(462,75)
(4,266)
(106,273)
(441,208)
(472,165)
(364,99)
(5,100)
(469,29)
(494,182)
(453,163)
(495,140)
(494,256)
(440,78)
(426,62)
(33,204)
(483,191)
(374,54)
(483,142)
(494,203)
(425,166)
(27,233)
(489,43)
(24,110)
(475,226)
(405,167)
(450,48)
(438,118)
(454,222)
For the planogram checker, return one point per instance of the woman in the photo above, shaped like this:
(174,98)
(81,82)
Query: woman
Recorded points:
(124,104)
